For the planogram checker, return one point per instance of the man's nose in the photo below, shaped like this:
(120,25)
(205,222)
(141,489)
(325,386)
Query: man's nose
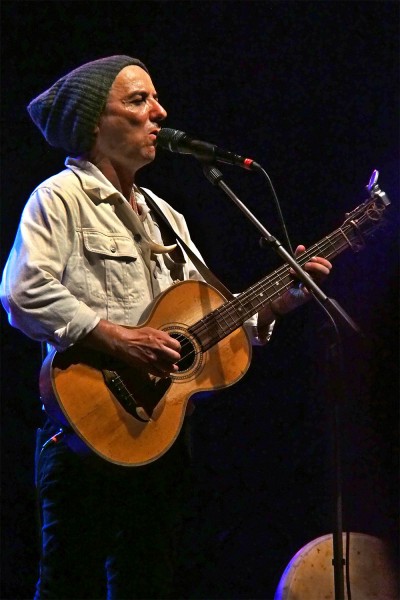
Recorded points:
(158,112)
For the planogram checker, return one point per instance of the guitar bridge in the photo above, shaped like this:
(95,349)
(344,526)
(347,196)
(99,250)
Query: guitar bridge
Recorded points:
(118,388)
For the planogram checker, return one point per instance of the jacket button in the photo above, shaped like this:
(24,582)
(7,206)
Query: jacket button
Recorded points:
(113,249)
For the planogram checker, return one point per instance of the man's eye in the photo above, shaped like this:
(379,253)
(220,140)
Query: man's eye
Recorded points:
(136,100)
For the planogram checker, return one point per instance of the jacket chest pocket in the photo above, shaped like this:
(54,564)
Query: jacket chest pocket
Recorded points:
(112,264)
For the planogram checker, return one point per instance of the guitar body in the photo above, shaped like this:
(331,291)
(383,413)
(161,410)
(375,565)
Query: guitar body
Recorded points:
(94,413)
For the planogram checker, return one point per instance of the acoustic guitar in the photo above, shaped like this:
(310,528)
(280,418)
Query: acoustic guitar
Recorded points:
(110,410)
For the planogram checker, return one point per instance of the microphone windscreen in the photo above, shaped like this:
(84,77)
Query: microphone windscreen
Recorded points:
(169,139)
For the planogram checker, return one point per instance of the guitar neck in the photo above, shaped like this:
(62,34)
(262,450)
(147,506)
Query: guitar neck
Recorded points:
(231,315)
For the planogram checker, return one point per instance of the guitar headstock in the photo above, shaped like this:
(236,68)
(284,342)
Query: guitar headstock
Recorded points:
(365,218)
(374,206)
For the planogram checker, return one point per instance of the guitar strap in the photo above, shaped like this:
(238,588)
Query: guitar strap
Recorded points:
(204,271)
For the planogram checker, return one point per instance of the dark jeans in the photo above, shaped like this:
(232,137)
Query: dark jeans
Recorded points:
(112,532)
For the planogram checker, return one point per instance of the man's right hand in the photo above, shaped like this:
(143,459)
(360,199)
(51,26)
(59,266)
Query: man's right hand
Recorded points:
(148,349)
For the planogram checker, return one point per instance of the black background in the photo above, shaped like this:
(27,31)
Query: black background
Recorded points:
(310,91)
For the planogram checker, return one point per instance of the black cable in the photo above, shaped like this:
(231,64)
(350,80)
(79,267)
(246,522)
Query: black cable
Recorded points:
(54,439)
(278,208)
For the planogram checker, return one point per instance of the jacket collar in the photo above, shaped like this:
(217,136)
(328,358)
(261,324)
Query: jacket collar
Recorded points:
(93,182)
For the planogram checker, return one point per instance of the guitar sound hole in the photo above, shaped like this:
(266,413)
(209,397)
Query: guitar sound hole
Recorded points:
(188,351)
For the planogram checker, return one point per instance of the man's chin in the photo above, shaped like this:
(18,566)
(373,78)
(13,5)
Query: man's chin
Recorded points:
(146,159)
(149,153)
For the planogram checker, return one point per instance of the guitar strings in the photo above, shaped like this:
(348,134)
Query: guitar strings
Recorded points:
(233,309)
(265,285)
(203,325)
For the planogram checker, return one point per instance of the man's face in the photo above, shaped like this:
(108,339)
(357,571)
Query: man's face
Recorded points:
(128,127)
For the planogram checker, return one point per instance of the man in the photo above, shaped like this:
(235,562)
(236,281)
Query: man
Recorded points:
(87,260)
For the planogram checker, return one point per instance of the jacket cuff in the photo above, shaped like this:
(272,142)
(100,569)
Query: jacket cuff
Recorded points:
(84,320)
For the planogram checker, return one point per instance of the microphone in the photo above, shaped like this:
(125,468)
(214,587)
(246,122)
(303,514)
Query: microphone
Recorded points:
(178,141)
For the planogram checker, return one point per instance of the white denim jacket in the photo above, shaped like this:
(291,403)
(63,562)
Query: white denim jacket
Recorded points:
(81,254)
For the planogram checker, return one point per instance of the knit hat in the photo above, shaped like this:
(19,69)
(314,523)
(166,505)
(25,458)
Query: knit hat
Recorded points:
(68,112)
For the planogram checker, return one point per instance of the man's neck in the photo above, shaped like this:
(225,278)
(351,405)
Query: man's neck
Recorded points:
(121,177)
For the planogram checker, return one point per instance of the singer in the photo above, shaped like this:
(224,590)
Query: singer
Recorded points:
(87,261)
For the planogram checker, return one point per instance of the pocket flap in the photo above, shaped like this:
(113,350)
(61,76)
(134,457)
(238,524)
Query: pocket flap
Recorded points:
(109,244)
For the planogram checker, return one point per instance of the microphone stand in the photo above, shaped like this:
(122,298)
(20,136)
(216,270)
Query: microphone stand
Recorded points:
(334,360)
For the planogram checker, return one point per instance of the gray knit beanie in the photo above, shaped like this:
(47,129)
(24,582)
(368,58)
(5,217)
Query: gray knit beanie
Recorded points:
(68,112)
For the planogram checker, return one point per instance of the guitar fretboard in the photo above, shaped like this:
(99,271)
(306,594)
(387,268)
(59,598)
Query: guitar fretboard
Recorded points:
(227,318)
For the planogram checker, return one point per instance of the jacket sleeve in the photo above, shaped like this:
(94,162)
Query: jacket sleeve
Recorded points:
(36,301)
